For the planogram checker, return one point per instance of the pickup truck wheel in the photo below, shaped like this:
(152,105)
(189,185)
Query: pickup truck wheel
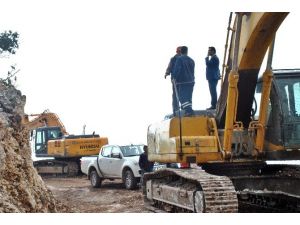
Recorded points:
(95,179)
(129,180)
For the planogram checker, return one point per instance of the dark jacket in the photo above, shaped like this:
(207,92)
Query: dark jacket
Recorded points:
(171,66)
(145,164)
(184,69)
(212,68)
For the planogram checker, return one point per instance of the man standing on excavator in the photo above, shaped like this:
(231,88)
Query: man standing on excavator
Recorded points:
(185,79)
(170,71)
(212,75)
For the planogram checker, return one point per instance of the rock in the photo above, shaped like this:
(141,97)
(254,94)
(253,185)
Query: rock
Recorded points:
(21,188)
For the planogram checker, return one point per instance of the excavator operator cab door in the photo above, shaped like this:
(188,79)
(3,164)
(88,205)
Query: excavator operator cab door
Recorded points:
(41,137)
(283,123)
(288,89)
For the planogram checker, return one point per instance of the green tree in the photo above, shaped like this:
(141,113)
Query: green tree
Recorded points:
(9,42)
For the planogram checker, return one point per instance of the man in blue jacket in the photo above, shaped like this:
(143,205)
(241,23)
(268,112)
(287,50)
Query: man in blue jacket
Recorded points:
(212,75)
(170,71)
(185,80)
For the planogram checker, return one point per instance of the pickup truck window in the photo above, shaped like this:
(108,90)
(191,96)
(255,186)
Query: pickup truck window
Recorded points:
(133,150)
(115,150)
(106,151)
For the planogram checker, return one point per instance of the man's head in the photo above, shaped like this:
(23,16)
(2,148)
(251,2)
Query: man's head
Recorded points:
(184,50)
(145,149)
(178,50)
(211,50)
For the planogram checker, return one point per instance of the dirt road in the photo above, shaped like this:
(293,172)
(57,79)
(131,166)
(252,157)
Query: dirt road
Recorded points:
(78,194)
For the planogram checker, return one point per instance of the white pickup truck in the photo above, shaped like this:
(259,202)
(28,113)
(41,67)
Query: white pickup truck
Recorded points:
(114,162)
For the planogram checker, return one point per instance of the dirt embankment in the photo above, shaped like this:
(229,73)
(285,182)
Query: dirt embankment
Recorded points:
(21,188)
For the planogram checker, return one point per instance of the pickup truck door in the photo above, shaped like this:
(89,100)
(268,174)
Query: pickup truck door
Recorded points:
(116,162)
(104,160)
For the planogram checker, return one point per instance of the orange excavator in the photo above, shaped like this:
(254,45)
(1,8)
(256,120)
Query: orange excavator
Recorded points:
(50,139)
(236,153)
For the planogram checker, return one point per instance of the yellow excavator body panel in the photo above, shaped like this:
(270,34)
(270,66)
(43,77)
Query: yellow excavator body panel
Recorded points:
(199,141)
(76,147)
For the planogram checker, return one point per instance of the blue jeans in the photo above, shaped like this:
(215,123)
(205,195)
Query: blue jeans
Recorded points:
(174,101)
(185,96)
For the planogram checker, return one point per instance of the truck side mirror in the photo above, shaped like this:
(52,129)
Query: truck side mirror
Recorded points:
(116,155)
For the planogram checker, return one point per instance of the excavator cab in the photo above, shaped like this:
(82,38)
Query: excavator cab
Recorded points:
(40,138)
(283,115)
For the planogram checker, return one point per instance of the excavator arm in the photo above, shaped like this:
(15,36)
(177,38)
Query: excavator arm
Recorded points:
(256,32)
(253,34)
(46,118)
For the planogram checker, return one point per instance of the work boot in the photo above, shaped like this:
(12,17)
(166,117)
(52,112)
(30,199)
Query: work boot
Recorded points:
(211,108)
(189,112)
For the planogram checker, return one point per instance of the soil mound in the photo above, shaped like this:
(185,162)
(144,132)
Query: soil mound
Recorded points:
(21,188)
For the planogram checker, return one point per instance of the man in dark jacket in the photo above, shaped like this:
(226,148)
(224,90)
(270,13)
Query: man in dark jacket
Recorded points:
(185,80)
(212,75)
(170,71)
(145,165)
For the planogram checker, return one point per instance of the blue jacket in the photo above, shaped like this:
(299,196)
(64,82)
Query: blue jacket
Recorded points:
(171,66)
(184,69)
(212,68)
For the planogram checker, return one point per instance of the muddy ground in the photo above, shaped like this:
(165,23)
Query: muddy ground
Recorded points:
(112,197)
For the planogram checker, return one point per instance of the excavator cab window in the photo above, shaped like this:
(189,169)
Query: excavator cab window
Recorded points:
(256,101)
(283,115)
(288,89)
(42,136)
(31,135)
(40,143)
(290,92)
(54,134)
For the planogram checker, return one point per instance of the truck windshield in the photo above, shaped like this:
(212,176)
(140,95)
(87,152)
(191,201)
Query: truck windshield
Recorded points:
(132,150)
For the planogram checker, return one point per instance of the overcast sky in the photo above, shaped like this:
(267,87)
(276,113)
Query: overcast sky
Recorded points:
(102,63)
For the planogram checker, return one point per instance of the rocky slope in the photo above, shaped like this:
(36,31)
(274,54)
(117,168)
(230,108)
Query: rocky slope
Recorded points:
(21,188)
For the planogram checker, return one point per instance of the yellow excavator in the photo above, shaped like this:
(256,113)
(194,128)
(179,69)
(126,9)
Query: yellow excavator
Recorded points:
(230,148)
(50,139)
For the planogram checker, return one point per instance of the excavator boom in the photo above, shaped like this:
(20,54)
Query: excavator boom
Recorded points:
(44,119)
